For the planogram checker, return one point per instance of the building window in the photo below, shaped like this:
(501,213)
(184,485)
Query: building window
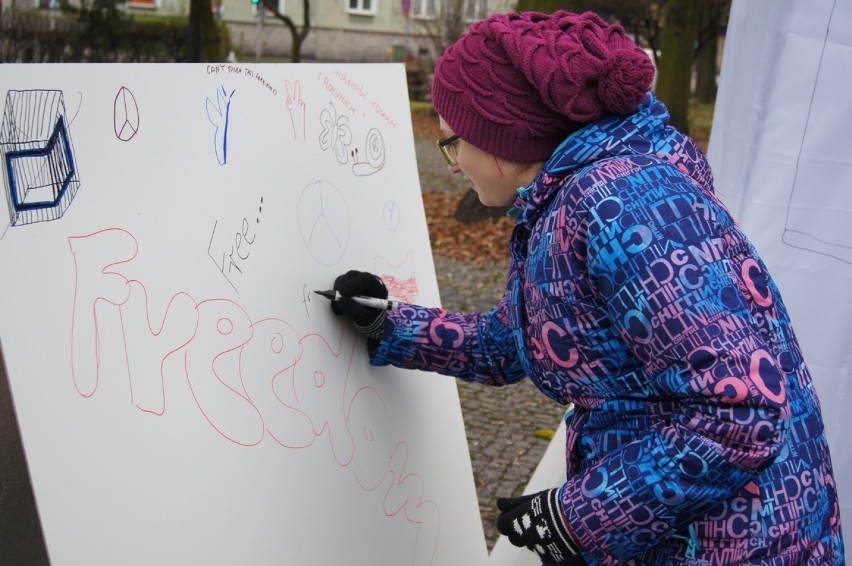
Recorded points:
(424,9)
(364,7)
(152,4)
(475,10)
(255,8)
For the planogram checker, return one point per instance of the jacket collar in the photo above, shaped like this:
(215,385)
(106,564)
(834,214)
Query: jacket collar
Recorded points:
(644,132)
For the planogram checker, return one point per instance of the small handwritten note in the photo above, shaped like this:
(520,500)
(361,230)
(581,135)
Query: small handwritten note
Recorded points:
(226,69)
(230,248)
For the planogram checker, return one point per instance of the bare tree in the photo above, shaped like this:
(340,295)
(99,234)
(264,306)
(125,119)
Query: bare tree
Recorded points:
(446,26)
(298,35)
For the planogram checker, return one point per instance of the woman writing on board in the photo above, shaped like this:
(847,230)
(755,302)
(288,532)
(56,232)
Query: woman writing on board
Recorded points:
(696,436)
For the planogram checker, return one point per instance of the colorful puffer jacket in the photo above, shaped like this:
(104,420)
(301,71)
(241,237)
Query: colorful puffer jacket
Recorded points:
(696,436)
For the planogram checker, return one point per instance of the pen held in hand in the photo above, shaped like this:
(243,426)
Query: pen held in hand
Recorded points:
(373,302)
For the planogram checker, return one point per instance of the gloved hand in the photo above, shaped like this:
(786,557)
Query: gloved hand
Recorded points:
(368,321)
(536,522)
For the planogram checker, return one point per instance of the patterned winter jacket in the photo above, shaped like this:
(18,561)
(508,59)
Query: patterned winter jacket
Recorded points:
(696,436)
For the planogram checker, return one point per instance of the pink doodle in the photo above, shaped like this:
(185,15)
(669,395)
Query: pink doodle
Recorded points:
(400,278)
(296,107)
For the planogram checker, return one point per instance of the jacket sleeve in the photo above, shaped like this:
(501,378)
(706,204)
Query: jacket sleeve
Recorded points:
(687,293)
(474,347)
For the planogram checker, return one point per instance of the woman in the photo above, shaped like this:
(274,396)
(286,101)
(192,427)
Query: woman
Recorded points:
(696,436)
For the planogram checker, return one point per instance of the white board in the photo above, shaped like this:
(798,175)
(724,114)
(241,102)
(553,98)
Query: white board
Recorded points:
(782,159)
(183,397)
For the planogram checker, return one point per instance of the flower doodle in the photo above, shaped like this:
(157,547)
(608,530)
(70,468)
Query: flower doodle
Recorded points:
(219,113)
(336,134)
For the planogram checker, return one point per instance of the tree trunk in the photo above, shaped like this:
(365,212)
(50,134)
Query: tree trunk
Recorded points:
(193,35)
(298,36)
(708,47)
(211,42)
(705,73)
(677,57)
(203,35)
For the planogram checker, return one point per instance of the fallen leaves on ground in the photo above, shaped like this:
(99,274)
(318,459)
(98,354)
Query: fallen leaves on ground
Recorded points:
(424,121)
(482,243)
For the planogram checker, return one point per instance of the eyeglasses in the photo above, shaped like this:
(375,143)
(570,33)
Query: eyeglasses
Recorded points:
(449,150)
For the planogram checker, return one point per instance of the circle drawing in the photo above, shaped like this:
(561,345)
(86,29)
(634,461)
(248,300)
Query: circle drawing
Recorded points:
(390,215)
(324,223)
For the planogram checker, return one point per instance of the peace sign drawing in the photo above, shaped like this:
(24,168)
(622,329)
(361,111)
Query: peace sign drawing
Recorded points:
(125,115)
(323,218)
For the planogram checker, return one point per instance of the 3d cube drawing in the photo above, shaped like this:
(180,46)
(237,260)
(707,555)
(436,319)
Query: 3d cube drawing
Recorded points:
(37,154)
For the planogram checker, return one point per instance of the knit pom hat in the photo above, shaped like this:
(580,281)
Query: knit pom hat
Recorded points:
(517,84)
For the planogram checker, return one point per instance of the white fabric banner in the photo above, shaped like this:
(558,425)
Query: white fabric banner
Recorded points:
(782,159)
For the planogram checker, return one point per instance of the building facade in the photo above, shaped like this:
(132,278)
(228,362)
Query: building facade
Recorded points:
(343,30)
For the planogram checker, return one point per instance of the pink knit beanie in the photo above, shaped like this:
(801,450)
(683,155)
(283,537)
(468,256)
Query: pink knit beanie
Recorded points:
(517,84)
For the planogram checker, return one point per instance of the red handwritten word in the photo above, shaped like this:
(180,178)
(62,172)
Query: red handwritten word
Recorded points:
(290,388)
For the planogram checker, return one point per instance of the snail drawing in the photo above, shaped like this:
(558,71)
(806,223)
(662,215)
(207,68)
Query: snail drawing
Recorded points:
(374,155)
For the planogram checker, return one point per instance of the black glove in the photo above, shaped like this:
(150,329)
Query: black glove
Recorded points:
(536,522)
(368,321)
